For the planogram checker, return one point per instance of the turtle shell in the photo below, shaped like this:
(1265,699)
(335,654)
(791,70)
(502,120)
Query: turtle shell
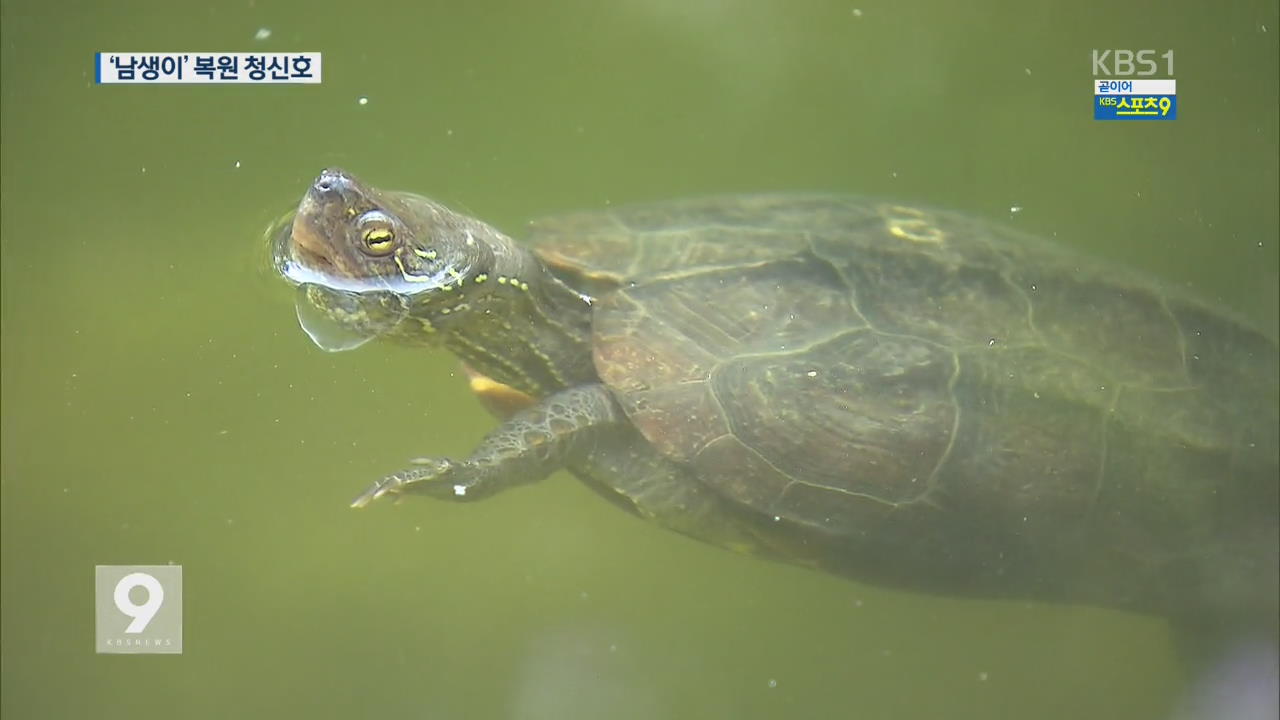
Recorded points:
(855,367)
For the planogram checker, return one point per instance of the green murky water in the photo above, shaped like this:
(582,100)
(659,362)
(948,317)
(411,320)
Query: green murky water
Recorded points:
(160,404)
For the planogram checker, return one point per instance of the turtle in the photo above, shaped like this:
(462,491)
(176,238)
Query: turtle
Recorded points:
(900,395)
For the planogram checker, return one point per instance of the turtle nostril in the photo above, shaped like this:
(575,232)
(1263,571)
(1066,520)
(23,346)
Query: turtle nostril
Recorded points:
(331,180)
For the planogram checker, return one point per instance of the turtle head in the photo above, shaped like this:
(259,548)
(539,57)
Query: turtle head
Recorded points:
(367,261)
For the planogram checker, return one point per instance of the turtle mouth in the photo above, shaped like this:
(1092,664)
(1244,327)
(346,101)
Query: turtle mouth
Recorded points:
(293,261)
(309,248)
(301,255)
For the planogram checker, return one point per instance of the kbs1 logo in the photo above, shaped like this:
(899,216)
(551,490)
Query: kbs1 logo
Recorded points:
(1124,89)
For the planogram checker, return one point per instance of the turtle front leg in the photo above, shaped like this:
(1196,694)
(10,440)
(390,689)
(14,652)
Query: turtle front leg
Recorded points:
(527,447)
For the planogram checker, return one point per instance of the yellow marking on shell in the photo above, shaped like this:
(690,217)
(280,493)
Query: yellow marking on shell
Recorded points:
(351,212)
(908,223)
(454,274)
(467,349)
(428,254)
(502,280)
(483,384)
(524,286)
(482,277)
(503,398)
(408,276)
(426,324)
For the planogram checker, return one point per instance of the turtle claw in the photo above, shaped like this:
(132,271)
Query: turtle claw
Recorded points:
(378,489)
(425,477)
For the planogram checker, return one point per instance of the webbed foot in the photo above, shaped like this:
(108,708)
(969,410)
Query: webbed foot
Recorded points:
(525,448)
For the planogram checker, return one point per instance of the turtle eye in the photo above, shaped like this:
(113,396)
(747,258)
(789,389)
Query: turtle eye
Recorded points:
(378,241)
